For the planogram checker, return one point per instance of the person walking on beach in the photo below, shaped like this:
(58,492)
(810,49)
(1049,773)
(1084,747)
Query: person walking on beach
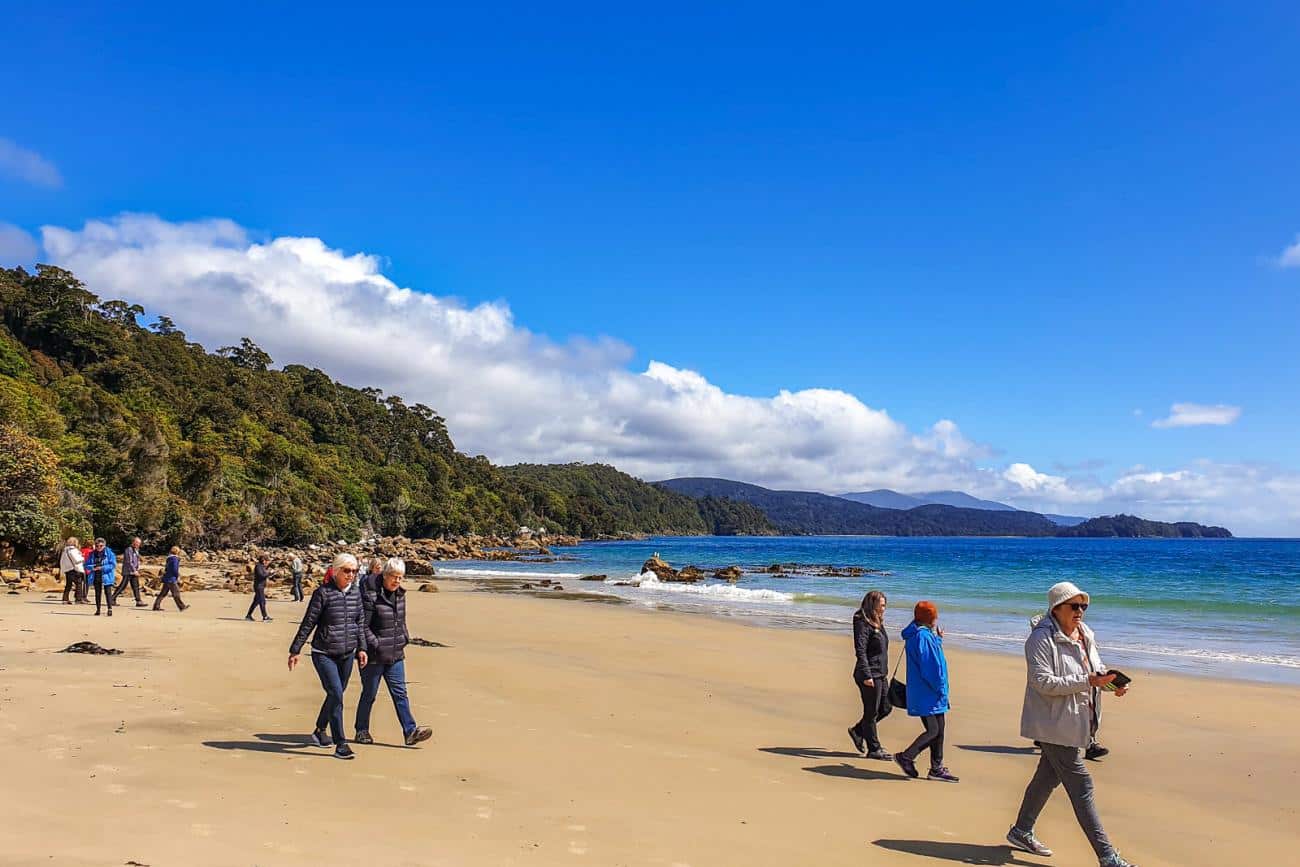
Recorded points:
(261,574)
(101,568)
(384,599)
(927,691)
(1063,679)
(73,566)
(296,569)
(871,673)
(171,581)
(335,621)
(1095,750)
(130,572)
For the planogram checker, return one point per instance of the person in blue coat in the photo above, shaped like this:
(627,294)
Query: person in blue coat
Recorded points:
(927,691)
(101,571)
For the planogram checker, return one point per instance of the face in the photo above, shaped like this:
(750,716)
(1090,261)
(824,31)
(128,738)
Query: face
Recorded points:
(99,546)
(343,576)
(135,543)
(392,580)
(880,606)
(1070,612)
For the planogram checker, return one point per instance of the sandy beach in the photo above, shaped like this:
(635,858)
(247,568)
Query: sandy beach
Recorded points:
(577,733)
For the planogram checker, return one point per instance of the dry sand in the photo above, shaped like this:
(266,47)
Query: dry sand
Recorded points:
(572,733)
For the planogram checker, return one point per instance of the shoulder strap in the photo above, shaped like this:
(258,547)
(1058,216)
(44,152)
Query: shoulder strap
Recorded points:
(900,662)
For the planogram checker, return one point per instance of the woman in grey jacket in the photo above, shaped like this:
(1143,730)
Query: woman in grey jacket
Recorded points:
(1062,688)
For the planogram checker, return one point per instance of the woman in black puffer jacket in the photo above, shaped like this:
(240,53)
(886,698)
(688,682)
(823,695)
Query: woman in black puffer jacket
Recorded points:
(337,616)
(871,673)
(386,637)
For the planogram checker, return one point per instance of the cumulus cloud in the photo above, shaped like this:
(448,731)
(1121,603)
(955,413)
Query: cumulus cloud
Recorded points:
(1195,414)
(1290,257)
(16,246)
(518,396)
(28,166)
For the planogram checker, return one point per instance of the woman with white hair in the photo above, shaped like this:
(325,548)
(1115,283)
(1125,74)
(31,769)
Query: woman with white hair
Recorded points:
(386,637)
(337,617)
(1063,685)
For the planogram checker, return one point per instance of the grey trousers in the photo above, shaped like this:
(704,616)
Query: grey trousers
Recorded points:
(1060,765)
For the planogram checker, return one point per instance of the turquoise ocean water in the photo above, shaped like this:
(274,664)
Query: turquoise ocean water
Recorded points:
(1218,607)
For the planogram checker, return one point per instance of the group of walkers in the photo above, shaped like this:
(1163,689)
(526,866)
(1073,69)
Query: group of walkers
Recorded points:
(96,566)
(362,621)
(1061,711)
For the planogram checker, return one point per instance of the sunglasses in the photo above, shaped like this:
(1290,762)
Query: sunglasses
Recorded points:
(354,571)
(1078,606)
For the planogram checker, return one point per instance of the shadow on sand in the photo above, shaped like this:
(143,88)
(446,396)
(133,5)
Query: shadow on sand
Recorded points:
(291,744)
(960,853)
(999,749)
(852,772)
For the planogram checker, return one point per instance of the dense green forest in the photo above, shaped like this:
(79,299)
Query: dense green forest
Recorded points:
(1132,527)
(112,428)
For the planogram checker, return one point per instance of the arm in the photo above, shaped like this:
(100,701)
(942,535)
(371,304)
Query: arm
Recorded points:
(1042,673)
(308,622)
(368,616)
(363,629)
(861,634)
(929,667)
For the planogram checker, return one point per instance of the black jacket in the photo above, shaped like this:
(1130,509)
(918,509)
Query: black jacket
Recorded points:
(872,648)
(386,633)
(339,621)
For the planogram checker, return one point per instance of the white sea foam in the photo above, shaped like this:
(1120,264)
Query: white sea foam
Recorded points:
(650,581)
(500,573)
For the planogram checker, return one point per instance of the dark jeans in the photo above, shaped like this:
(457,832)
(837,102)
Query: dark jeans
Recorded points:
(106,590)
(259,599)
(932,738)
(1064,765)
(297,587)
(174,589)
(334,672)
(393,674)
(134,581)
(72,581)
(873,707)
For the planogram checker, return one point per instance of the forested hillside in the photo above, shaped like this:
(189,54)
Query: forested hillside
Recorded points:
(110,427)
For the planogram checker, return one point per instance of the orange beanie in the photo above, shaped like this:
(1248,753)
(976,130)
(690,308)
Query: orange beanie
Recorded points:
(925,612)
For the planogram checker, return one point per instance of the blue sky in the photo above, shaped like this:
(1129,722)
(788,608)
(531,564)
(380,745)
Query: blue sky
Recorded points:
(1034,220)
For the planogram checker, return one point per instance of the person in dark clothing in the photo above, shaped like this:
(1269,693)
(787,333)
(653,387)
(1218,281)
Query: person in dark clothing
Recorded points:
(101,570)
(130,572)
(296,568)
(871,674)
(261,574)
(335,621)
(171,581)
(384,599)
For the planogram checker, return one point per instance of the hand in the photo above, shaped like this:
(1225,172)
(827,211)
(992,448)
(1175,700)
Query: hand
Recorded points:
(869,682)
(1100,679)
(293,660)
(362,658)
(1120,690)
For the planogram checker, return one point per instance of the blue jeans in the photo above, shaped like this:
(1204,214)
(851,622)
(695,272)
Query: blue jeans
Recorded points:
(394,674)
(334,672)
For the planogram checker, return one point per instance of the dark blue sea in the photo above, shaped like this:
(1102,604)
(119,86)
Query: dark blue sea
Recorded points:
(1218,607)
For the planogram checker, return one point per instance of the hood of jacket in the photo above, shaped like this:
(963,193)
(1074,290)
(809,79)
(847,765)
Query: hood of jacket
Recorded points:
(911,630)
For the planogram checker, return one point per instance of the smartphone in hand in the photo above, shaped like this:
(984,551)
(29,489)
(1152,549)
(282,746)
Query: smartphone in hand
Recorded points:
(1121,680)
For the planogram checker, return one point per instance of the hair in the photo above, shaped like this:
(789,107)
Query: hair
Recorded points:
(176,549)
(135,539)
(100,542)
(72,540)
(343,559)
(925,612)
(395,566)
(263,558)
(868,606)
(379,562)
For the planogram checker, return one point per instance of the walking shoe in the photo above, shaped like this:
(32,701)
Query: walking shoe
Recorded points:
(908,766)
(142,605)
(943,775)
(248,617)
(320,739)
(880,756)
(363,737)
(97,613)
(1096,751)
(185,607)
(110,612)
(266,619)
(1025,841)
(858,743)
(343,751)
(420,733)
(1116,860)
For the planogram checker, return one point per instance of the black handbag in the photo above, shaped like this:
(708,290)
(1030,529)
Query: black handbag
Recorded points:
(897,688)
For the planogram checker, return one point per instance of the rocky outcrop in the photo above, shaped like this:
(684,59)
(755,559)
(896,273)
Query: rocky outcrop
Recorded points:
(593,578)
(690,574)
(729,573)
(660,568)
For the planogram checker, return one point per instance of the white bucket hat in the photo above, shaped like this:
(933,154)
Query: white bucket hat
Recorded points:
(1063,591)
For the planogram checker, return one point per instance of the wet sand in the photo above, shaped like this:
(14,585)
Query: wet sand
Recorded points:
(571,733)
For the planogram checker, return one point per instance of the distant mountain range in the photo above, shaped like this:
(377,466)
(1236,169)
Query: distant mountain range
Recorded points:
(887,499)
(810,513)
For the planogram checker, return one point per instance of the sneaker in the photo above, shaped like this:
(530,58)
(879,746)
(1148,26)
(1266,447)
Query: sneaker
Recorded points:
(363,737)
(858,743)
(96,613)
(943,775)
(880,756)
(248,617)
(1096,751)
(320,739)
(185,607)
(908,766)
(142,605)
(343,751)
(267,619)
(110,612)
(1116,860)
(1025,841)
(418,734)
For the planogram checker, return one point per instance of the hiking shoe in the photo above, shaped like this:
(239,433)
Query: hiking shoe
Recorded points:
(880,756)
(943,775)
(908,766)
(363,737)
(320,739)
(1096,751)
(858,743)
(343,751)
(1116,860)
(1025,841)
(420,733)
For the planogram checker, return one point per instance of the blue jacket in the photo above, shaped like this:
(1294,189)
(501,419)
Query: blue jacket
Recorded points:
(172,569)
(107,559)
(927,672)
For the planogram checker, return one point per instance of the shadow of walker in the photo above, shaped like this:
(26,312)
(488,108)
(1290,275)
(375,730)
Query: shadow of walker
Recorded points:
(960,853)
(285,744)
(999,749)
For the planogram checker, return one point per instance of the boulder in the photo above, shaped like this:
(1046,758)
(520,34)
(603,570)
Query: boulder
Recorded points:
(428,587)
(690,574)
(661,569)
(593,577)
(729,573)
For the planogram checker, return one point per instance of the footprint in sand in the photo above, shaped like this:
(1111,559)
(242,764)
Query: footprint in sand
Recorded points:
(56,753)
(302,771)
(576,827)
(484,798)
(407,787)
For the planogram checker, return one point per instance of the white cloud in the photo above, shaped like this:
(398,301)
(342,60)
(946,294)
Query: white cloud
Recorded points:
(28,166)
(16,246)
(1290,257)
(1194,414)
(517,396)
